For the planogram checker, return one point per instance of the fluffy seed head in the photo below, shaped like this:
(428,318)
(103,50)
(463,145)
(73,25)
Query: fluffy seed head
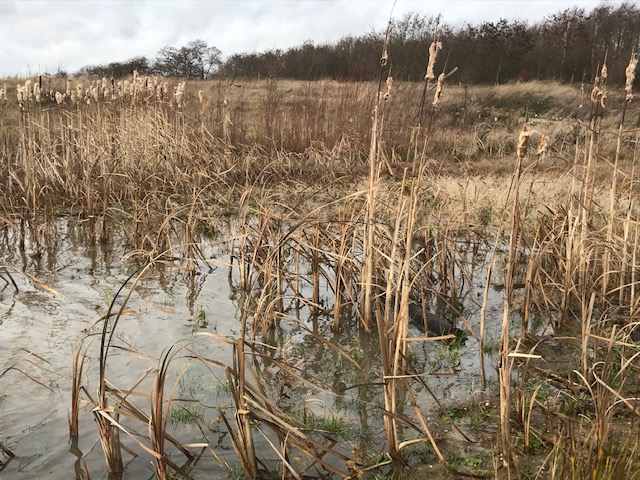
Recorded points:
(630,73)
(433,54)
(523,141)
(387,93)
(37,92)
(436,96)
(542,147)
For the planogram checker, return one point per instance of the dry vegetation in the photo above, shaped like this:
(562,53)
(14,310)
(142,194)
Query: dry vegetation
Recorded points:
(334,186)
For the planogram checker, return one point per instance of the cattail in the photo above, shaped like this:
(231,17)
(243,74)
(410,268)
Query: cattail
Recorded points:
(68,91)
(20,93)
(389,82)
(542,147)
(436,96)
(104,88)
(523,141)
(630,74)
(433,54)
(603,72)
(3,92)
(59,98)
(596,89)
(37,92)
(79,91)
(28,93)
(179,93)
(200,96)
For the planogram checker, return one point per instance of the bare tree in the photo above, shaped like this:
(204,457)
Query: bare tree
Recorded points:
(194,60)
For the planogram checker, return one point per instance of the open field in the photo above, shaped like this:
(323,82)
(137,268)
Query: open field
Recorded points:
(229,278)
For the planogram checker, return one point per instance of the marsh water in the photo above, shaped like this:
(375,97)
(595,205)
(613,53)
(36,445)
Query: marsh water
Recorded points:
(65,288)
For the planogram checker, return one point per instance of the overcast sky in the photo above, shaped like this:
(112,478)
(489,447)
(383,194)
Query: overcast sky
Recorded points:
(42,36)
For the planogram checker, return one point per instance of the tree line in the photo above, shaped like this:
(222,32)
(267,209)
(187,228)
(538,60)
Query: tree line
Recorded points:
(566,46)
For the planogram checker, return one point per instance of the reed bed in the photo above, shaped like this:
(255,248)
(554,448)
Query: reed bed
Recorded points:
(335,224)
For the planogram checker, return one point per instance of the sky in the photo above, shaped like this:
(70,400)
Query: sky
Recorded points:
(44,36)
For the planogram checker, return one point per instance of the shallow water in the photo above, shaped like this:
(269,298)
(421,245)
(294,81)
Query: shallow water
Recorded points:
(63,293)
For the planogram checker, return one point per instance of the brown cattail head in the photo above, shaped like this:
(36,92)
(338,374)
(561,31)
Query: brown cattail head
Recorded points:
(603,97)
(603,72)
(179,93)
(27,90)
(523,141)
(630,73)
(433,54)
(37,92)
(436,96)
(542,146)
(387,93)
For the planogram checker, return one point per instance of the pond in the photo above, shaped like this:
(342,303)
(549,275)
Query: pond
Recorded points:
(328,381)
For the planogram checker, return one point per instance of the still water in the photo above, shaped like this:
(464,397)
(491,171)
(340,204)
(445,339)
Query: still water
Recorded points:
(65,289)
